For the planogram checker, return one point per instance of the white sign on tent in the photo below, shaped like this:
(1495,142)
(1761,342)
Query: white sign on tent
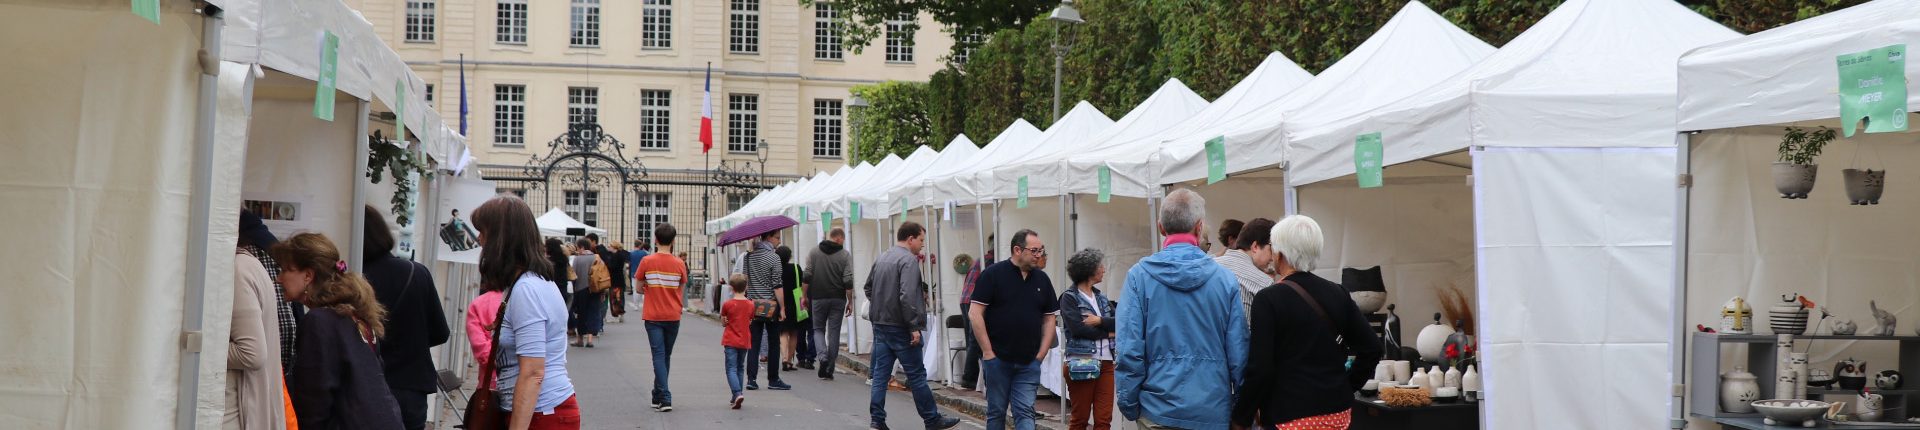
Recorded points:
(455,236)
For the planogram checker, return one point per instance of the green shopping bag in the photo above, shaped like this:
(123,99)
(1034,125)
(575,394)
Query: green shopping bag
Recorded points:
(799,296)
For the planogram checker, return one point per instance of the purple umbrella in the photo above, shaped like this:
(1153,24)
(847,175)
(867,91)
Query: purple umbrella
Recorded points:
(755,227)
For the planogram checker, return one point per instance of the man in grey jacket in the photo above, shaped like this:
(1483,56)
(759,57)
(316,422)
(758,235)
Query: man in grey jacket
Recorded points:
(899,314)
(829,288)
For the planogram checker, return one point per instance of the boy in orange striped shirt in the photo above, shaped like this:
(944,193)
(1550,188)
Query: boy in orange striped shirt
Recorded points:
(661,275)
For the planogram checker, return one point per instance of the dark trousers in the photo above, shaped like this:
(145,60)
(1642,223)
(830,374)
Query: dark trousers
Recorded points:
(766,334)
(971,372)
(591,310)
(413,408)
(802,341)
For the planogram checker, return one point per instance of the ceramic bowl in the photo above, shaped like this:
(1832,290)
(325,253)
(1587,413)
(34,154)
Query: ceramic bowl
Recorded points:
(1369,301)
(1791,412)
(1446,395)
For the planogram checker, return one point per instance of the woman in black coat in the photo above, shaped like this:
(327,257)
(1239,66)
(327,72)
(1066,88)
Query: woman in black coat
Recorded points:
(1297,372)
(415,322)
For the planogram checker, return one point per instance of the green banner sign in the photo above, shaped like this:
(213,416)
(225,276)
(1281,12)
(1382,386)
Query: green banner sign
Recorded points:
(1216,159)
(1023,194)
(826,222)
(149,9)
(1106,183)
(329,69)
(854,216)
(1873,85)
(903,208)
(1368,156)
(400,110)
(803,214)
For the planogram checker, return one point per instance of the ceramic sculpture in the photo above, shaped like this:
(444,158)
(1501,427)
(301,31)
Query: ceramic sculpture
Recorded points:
(1884,320)
(1797,364)
(1738,390)
(1736,317)
(1845,327)
(1790,315)
(1390,335)
(1453,377)
(1436,378)
(1433,340)
(1864,186)
(1887,380)
(1402,371)
(1470,384)
(1869,407)
(1852,374)
(1366,287)
(1419,379)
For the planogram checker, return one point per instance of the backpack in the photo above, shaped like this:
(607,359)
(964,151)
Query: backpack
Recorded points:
(600,280)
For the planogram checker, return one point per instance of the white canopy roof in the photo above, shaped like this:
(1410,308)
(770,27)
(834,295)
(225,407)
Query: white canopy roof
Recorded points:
(1589,74)
(1129,159)
(877,197)
(556,222)
(1789,73)
(1016,135)
(880,207)
(1415,49)
(1047,175)
(829,199)
(1069,134)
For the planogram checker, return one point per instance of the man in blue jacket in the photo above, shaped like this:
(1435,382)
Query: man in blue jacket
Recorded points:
(1182,336)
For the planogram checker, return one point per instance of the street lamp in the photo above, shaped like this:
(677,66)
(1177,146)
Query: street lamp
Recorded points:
(761,151)
(1062,16)
(853,127)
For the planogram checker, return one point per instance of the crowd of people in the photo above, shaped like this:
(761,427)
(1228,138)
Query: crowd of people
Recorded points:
(315,345)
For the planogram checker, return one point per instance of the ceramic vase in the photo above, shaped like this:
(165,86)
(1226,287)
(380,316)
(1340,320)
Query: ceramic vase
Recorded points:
(1788,316)
(1784,378)
(1436,378)
(1864,186)
(1797,363)
(1402,371)
(1738,390)
(1432,341)
(1794,181)
(1736,317)
(1383,372)
(1453,377)
(1470,384)
(1419,379)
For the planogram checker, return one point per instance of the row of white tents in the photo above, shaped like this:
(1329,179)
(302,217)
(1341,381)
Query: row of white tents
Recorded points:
(134,143)
(1543,177)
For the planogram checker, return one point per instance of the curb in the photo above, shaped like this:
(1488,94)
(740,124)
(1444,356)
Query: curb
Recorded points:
(857,367)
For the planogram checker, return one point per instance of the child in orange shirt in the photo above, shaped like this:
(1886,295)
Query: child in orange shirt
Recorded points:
(738,314)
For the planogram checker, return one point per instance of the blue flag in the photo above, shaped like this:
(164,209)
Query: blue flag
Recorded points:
(463,94)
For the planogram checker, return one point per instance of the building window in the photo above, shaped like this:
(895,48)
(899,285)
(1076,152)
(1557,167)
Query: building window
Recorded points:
(419,21)
(656,118)
(583,105)
(968,41)
(827,120)
(586,24)
(900,39)
(655,209)
(510,22)
(656,25)
(745,27)
(510,115)
(583,206)
(429,95)
(826,32)
(736,200)
(743,122)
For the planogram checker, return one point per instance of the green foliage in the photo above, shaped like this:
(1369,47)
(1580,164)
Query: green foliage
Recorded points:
(1127,48)
(864,21)
(897,122)
(398,162)
(1800,146)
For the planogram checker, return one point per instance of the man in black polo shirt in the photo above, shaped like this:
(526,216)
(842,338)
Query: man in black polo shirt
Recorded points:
(1012,317)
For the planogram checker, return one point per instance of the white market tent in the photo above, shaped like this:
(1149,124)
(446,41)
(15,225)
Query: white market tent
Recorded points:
(1168,106)
(958,150)
(137,140)
(971,182)
(1738,238)
(1571,187)
(555,223)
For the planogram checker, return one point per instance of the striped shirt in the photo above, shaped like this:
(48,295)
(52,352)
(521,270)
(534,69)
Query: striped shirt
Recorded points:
(661,277)
(763,272)
(1251,278)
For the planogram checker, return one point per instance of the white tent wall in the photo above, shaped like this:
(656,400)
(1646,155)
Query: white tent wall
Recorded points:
(866,239)
(108,175)
(1575,254)
(1121,228)
(1418,230)
(1744,240)
(962,235)
(1043,216)
(293,156)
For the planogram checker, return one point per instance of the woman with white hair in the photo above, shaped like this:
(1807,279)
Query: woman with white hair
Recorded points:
(1304,328)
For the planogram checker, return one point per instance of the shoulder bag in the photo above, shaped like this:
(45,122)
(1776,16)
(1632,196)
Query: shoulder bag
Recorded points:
(483,408)
(1338,337)
(1081,368)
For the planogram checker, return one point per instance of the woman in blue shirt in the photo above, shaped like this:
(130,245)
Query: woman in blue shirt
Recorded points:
(533,384)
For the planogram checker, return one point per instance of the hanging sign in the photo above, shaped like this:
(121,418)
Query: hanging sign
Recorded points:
(1216,159)
(1106,183)
(803,214)
(826,222)
(400,110)
(149,9)
(854,217)
(903,208)
(1873,85)
(1023,194)
(1367,160)
(329,69)
(946,211)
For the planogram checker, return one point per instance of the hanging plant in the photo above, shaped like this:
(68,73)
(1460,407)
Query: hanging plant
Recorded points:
(396,161)
(1794,173)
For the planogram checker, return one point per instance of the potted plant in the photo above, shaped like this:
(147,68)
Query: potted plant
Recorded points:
(1793,175)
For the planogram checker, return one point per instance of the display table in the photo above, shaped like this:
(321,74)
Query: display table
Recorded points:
(1368,415)
(1755,423)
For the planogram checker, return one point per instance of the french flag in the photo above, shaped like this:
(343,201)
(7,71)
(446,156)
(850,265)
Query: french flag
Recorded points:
(706,114)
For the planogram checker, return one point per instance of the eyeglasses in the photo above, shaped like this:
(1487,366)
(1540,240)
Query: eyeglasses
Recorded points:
(1037,252)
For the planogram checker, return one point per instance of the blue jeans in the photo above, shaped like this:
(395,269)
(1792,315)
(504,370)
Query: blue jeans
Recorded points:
(896,344)
(1010,383)
(736,364)
(660,337)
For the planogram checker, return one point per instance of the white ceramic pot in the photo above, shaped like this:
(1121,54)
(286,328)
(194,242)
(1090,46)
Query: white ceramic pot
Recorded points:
(1864,186)
(1794,181)
(1432,342)
(1738,390)
(1402,371)
(1369,301)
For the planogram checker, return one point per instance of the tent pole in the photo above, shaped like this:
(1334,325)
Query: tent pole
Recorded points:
(357,242)
(1682,196)
(199,225)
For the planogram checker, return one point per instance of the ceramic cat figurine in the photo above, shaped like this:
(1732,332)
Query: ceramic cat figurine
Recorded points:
(1869,407)
(1883,318)
(1845,327)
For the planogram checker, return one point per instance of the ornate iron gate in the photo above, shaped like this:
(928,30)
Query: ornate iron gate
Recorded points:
(585,175)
